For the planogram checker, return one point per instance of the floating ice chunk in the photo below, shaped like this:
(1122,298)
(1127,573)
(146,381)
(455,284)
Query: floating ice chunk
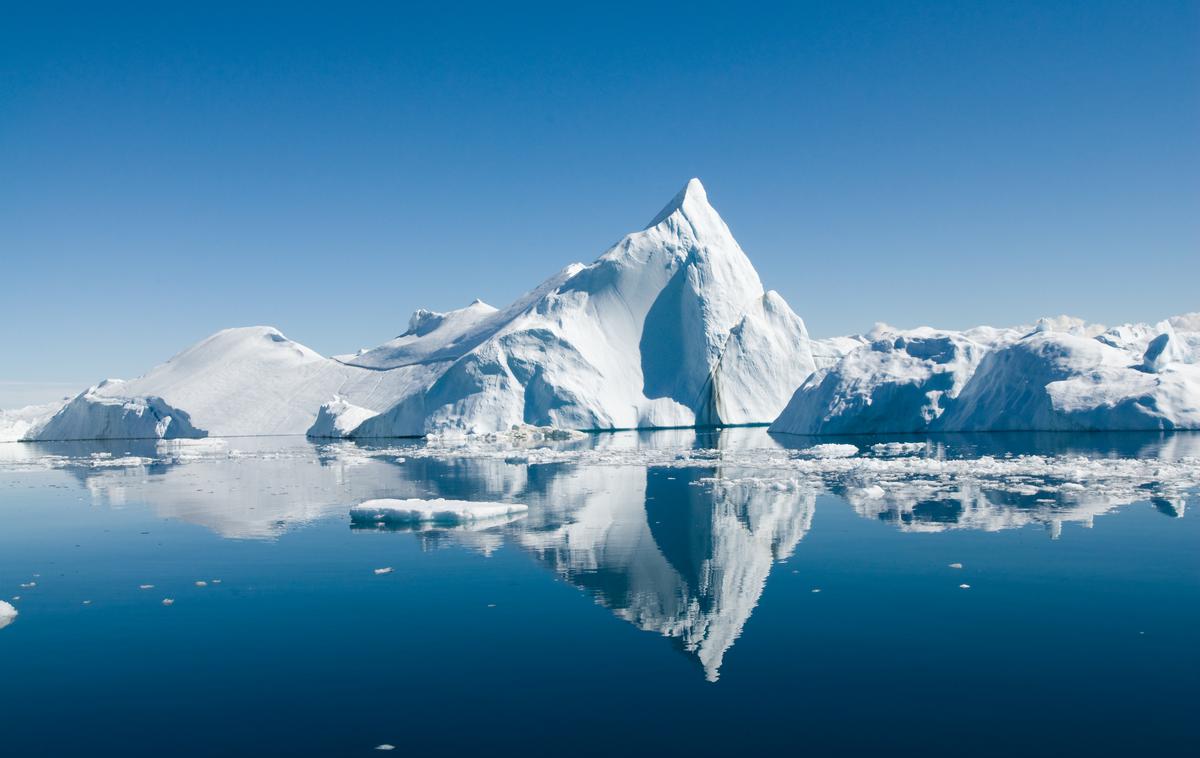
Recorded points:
(439,511)
(145,586)
(8,614)
(168,601)
(201,584)
(874,491)
(899,448)
(829,450)
(964,586)
(385,746)
(384,570)
(28,585)
(955,565)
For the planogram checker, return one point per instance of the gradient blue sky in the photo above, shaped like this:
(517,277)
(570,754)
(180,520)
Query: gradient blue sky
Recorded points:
(167,173)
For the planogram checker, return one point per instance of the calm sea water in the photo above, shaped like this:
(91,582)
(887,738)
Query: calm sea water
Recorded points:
(666,593)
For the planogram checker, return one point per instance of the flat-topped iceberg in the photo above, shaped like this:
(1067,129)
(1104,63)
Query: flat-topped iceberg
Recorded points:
(391,512)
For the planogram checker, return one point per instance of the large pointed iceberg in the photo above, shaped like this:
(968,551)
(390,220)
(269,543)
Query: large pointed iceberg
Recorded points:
(670,327)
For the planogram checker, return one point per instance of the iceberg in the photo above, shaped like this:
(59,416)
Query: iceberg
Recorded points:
(96,414)
(670,327)
(1062,374)
(389,511)
(338,418)
(8,613)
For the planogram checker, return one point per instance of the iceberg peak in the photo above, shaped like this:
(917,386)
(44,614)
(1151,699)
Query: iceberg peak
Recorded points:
(691,202)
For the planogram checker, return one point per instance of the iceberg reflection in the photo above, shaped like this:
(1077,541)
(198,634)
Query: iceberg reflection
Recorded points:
(675,532)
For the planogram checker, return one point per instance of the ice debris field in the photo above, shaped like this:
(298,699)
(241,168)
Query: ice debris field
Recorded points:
(671,327)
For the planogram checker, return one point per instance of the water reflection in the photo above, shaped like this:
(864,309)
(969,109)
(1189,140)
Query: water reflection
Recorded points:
(682,549)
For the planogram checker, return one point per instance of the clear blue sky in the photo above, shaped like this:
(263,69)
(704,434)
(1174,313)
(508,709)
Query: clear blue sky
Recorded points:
(167,173)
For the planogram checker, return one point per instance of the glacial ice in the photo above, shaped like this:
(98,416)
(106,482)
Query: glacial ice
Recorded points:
(97,414)
(8,613)
(390,511)
(1060,375)
(671,327)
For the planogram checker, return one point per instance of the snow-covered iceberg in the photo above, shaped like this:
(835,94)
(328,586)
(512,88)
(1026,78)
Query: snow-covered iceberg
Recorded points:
(97,414)
(238,382)
(670,327)
(1059,375)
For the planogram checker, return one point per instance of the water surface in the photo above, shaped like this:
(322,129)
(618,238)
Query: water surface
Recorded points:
(672,593)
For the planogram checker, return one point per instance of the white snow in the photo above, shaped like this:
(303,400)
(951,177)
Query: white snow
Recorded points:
(439,511)
(8,613)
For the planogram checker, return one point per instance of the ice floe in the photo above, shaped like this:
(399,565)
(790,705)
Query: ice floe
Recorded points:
(386,511)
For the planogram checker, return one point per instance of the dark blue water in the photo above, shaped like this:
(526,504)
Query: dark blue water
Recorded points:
(636,608)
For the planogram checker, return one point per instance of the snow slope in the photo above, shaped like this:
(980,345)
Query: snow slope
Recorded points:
(670,327)
(247,381)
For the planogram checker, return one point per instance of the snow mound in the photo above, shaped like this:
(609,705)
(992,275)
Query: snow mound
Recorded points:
(901,381)
(388,511)
(8,613)
(670,327)
(93,414)
(337,418)
(238,382)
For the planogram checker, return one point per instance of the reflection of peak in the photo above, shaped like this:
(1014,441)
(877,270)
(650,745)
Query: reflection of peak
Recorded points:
(673,558)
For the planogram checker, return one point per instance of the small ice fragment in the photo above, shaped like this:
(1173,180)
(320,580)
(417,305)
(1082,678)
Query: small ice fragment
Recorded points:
(828,450)
(168,601)
(28,585)
(964,586)
(385,746)
(215,581)
(384,570)
(874,492)
(8,614)
(201,584)
(87,602)
(491,605)
(955,565)
(145,586)
(816,589)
